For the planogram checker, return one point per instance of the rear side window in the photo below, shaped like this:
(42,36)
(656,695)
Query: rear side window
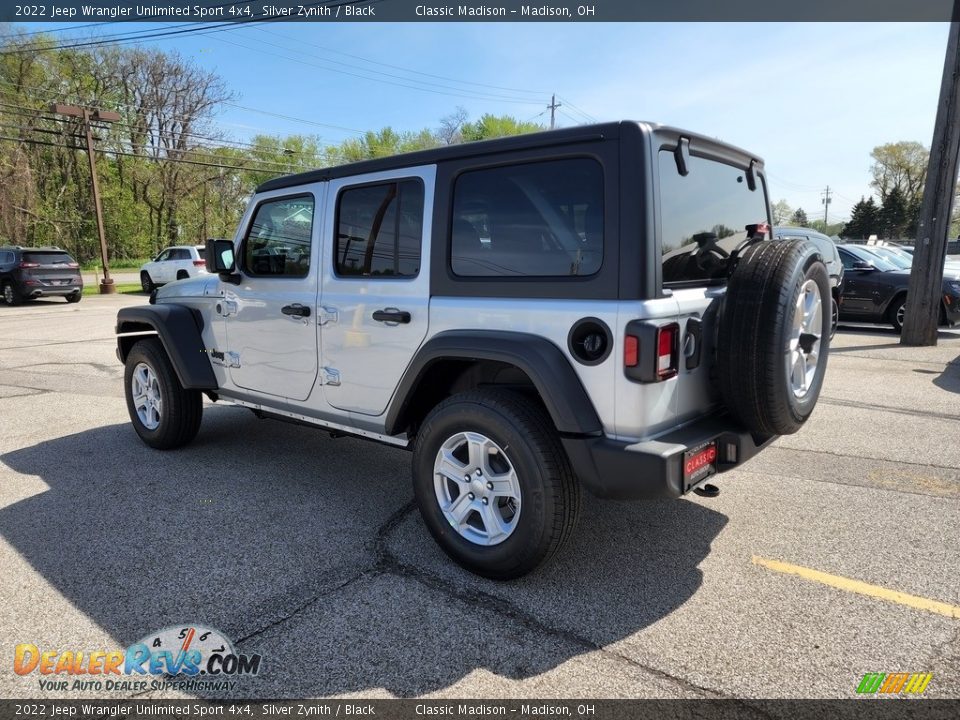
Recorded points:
(540,219)
(703,217)
(278,241)
(379,230)
(47,258)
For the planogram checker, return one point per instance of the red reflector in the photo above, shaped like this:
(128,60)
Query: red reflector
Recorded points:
(667,351)
(199,263)
(631,351)
(29,265)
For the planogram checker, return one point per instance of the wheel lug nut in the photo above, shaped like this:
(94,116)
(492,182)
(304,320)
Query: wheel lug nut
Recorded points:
(489,486)
(466,478)
(479,472)
(486,502)
(472,496)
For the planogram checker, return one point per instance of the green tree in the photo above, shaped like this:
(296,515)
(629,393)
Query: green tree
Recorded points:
(494,126)
(799,218)
(893,214)
(901,165)
(781,212)
(864,220)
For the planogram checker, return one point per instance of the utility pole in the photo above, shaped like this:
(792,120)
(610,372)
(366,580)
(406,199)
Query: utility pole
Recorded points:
(826,205)
(87,115)
(926,277)
(552,107)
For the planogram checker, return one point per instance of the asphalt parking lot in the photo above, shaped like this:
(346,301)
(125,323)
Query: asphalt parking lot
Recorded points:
(832,554)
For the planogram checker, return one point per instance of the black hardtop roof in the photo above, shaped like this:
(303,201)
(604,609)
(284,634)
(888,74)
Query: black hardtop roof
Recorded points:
(448,152)
(546,138)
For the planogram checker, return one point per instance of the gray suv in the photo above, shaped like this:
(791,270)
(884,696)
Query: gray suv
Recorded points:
(594,308)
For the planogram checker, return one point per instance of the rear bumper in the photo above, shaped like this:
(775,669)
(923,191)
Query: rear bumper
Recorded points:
(654,468)
(35,291)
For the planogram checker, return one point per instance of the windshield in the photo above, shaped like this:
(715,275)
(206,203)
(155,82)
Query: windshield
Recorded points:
(880,263)
(47,258)
(893,256)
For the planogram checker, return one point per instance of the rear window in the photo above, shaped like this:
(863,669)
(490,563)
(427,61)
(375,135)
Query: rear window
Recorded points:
(703,217)
(535,219)
(47,258)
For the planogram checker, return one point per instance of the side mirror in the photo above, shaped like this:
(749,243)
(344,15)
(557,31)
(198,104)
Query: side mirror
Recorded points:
(220,260)
(219,256)
(863,265)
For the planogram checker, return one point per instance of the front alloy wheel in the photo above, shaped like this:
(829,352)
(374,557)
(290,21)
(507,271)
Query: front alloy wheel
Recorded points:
(164,413)
(147,401)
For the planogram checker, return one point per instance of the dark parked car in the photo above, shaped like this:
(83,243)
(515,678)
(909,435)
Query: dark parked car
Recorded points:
(29,273)
(875,289)
(831,258)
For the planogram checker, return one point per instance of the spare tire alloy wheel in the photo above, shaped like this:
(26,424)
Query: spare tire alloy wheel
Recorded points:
(773,338)
(803,351)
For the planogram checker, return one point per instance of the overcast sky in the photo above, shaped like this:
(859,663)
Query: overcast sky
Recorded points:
(811,99)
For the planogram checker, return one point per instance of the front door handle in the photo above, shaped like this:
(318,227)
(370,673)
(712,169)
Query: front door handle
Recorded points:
(297,310)
(391,315)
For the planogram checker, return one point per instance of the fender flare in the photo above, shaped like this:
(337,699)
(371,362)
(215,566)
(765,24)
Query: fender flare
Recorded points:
(179,329)
(543,362)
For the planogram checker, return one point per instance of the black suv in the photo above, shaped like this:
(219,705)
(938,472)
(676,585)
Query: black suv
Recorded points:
(28,273)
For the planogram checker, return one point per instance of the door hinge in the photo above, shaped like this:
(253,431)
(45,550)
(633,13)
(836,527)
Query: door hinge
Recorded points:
(328,314)
(331,376)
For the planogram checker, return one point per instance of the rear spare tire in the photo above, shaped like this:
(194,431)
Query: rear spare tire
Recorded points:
(774,336)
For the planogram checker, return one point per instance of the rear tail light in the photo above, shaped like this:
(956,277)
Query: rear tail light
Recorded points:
(667,354)
(199,263)
(29,265)
(73,265)
(651,351)
(631,351)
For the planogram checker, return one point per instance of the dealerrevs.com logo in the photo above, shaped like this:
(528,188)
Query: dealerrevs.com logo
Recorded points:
(185,657)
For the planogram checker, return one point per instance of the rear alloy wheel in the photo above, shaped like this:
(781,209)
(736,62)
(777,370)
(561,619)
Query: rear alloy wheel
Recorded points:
(146,282)
(493,483)
(74,297)
(897,312)
(163,413)
(11,295)
(182,274)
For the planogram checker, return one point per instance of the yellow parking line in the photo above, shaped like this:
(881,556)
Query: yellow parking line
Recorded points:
(861,588)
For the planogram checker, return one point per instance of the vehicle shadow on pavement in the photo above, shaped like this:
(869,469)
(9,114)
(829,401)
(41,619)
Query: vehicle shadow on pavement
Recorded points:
(308,551)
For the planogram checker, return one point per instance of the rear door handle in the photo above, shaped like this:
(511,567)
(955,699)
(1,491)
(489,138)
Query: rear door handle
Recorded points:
(391,315)
(297,310)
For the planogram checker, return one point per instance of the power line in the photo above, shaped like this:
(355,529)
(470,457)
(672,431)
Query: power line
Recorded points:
(146,132)
(398,67)
(373,79)
(127,154)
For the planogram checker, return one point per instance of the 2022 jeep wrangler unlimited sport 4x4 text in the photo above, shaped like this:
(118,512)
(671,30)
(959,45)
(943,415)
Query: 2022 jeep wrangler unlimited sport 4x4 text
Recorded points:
(596,307)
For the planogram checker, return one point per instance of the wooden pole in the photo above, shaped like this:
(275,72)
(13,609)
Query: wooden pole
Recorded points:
(925,292)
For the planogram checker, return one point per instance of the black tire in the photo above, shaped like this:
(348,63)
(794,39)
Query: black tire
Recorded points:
(756,317)
(74,297)
(182,410)
(146,282)
(11,295)
(834,316)
(182,274)
(549,491)
(896,312)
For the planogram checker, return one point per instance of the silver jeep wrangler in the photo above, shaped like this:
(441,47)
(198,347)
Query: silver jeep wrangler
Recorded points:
(598,307)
